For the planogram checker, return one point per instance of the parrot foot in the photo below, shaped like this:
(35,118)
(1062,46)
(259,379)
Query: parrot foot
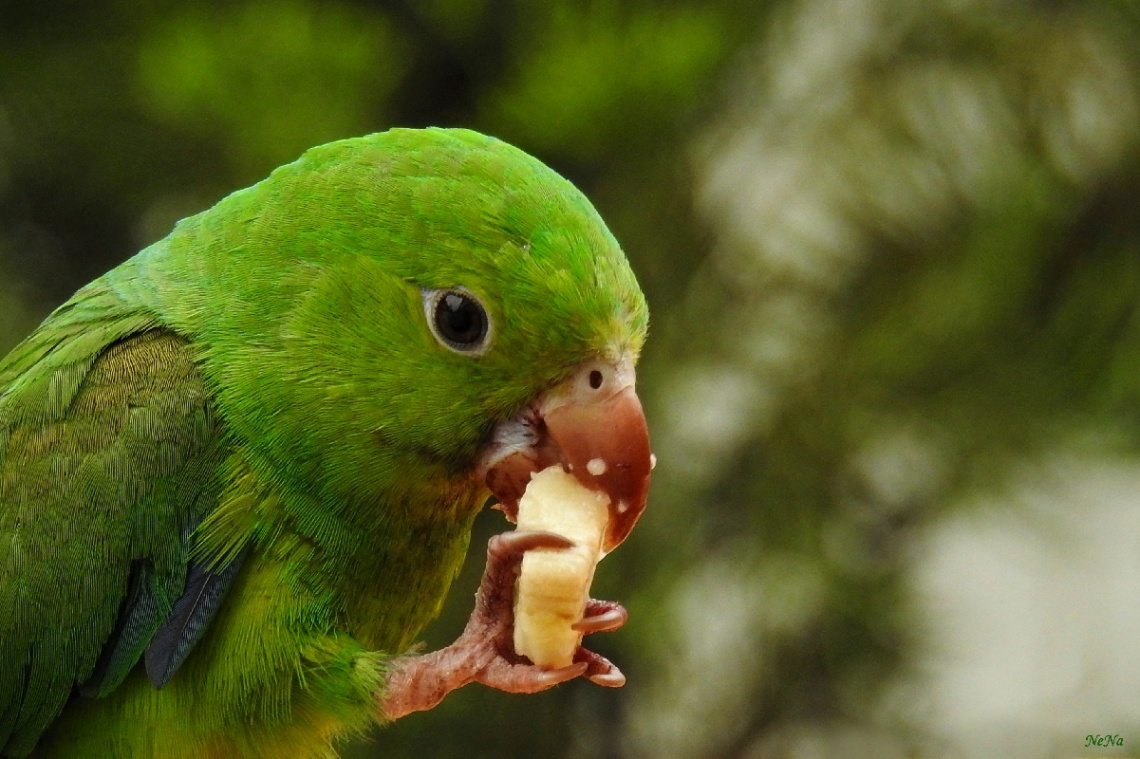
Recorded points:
(484,652)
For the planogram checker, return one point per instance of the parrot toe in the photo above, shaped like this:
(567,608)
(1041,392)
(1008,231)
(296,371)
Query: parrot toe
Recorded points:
(527,678)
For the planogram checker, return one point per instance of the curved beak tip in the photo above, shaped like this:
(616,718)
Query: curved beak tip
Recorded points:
(601,439)
(606,446)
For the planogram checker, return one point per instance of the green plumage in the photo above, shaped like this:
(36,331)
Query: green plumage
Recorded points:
(261,391)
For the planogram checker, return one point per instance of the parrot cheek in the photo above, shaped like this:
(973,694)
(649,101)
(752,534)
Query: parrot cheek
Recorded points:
(594,426)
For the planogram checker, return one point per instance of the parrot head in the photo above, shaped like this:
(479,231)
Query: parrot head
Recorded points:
(551,309)
(450,310)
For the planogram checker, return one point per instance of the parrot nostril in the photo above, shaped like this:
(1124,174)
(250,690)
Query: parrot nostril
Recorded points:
(595,379)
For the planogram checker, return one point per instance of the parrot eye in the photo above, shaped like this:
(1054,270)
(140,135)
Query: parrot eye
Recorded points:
(457,319)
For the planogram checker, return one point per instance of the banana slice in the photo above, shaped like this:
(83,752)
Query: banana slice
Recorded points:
(554,584)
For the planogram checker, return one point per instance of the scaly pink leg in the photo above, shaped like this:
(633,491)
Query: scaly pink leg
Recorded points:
(485,653)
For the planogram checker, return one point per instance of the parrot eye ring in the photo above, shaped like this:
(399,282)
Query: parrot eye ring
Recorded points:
(457,319)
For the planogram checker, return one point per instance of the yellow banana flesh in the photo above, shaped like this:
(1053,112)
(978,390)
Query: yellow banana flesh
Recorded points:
(554,584)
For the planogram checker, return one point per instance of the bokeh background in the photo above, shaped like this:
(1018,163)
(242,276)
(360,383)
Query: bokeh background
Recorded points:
(892,253)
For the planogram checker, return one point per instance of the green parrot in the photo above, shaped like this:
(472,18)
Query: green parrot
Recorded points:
(238,472)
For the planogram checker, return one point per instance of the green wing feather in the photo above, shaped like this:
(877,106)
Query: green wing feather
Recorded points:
(109,451)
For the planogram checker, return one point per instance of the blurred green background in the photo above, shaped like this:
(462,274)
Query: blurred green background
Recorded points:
(892,254)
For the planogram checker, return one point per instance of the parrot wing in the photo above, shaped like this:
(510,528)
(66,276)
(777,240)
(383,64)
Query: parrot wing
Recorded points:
(109,458)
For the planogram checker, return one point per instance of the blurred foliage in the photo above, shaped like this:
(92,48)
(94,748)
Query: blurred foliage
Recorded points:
(265,80)
(891,249)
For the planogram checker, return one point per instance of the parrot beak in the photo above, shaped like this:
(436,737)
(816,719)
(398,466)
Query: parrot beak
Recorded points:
(592,424)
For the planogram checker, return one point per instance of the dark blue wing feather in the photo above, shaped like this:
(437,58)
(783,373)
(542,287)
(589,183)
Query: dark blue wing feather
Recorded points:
(193,611)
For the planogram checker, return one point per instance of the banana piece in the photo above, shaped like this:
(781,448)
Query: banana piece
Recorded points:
(554,584)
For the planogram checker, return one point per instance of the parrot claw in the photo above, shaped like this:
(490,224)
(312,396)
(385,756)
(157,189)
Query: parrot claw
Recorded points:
(599,670)
(508,547)
(485,652)
(601,616)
